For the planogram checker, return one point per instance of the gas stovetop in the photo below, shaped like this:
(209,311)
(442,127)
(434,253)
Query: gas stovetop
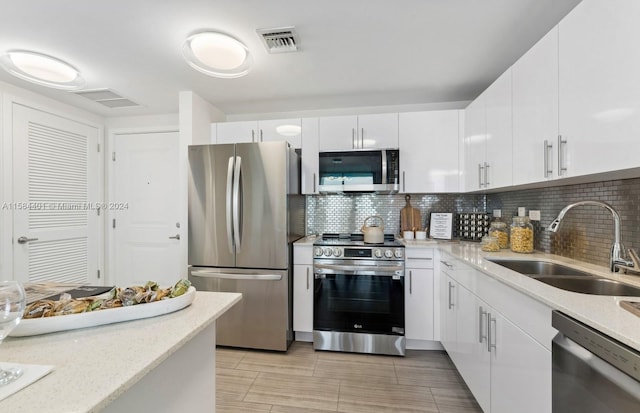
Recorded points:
(352,247)
(357,239)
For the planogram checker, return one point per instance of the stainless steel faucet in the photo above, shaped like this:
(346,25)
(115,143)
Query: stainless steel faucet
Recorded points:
(617,259)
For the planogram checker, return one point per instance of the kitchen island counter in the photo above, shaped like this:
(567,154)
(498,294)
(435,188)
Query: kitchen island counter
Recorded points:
(164,363)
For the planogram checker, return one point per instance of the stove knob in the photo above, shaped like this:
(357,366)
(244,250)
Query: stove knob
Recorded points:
(337,252)
(398,253)
(318,252)
(377,253)
(388,253)
(327,252)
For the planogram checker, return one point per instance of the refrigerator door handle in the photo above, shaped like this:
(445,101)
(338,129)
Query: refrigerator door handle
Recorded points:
(237,204)
(228,276)
(229,201)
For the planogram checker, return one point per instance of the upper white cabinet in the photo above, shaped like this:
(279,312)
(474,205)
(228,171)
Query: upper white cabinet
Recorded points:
(499,133)
(309,162)
(599,70)
(431,136)
(359,132)
(488,137)
(474,144)
(535,112)
(234,132)
(259,131)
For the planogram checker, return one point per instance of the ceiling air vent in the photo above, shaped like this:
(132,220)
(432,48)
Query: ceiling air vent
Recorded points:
(280,40)
(107,97)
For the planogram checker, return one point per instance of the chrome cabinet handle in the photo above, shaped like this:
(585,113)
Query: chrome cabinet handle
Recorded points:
(177,236)
(451,287)
(447,264)
(314,182)
(481,314)
(547,148)
(353,138)
(486,174)
(561,163)
(261,138)
(404,183)
(253,135)
(491,344)
(362,138)
(307,278)
(24,240)
(480,171)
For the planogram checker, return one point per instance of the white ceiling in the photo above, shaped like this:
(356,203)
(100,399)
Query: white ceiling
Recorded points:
(354,52)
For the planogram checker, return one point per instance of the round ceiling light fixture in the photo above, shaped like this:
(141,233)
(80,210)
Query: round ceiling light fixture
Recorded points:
(217,54)
(41,69)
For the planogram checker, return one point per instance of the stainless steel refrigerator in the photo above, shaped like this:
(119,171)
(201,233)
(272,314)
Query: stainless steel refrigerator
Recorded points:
(245,211)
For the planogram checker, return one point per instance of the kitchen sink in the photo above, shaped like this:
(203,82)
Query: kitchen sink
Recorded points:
(569,279)
(591,285)
(540,268)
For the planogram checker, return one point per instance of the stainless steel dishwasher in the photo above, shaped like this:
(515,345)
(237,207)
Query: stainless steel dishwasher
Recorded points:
(592,373)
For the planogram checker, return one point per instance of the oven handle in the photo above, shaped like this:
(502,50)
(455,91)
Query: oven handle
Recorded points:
(391,271)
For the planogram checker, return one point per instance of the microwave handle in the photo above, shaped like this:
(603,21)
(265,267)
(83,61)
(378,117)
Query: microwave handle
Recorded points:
(384,167)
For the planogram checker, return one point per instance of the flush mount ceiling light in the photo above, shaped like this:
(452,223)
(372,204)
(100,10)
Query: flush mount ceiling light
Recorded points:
(289,130)
(217,54)
(41,69)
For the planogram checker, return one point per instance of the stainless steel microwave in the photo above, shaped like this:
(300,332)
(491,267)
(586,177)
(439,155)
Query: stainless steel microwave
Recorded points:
(375,170)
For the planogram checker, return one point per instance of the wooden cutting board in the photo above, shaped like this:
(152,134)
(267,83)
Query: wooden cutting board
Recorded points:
(410,218)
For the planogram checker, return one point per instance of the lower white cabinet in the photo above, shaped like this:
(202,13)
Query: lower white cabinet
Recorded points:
(505,368)
(303,289)
(419,294)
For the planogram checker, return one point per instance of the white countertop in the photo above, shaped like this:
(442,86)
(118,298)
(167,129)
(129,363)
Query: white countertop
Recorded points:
(93,366)
(601,312)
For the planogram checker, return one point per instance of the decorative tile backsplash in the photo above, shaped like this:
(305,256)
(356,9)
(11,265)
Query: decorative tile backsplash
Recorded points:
(586,233)
(346,213)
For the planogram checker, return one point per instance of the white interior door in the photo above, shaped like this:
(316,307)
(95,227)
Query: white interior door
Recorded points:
(55,193)
(146,208)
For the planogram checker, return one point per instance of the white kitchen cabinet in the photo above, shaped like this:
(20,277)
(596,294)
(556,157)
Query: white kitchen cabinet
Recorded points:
(535,112)
(281,129)
(474,358)
(341,133)
(474,144)
(378,131)
(259,131)
(419,294)
(236,132)
(499,134)
(599,83)
(448,319)
(303,291)
(520,369)
(503,365)
(309,156)
(488,137)
(428,143)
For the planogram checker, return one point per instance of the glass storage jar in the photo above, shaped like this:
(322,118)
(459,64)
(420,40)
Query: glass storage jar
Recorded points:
(521,235)
(489,243)
(498,229)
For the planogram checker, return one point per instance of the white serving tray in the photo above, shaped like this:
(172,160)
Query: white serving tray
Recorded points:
(35,326)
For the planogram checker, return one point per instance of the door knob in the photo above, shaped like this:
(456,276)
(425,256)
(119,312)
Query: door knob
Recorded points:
(24,240)
(177,236)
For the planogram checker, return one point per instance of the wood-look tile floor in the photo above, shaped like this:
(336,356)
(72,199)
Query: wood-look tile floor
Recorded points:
(307,381)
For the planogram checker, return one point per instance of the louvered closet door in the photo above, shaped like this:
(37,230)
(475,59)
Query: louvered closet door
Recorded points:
(55,182)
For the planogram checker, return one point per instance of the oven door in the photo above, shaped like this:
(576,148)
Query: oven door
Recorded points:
(359,299)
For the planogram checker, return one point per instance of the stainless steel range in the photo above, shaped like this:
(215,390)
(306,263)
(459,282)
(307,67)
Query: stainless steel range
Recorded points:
(358,302)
